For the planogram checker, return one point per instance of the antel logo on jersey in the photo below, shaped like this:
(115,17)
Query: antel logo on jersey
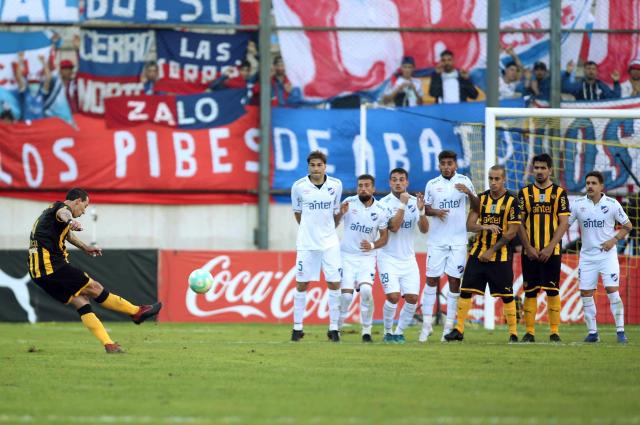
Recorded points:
(450,203)
(541,209)
(319,205)
(253,293)
(357,227)
(590,224)
(604,208)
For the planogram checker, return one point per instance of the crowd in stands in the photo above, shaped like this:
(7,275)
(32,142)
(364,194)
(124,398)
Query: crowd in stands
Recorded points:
(446,84)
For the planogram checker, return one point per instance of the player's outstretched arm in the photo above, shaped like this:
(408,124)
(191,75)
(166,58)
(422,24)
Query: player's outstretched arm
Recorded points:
(92,250)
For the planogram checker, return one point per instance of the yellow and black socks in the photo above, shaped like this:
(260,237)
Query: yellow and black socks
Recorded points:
(530,310)
(116,303)
(553,311)
(464,304)
(509,309)
(91,322)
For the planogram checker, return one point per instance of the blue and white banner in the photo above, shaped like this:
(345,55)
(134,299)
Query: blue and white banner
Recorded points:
(188,61)
(164,11)
(111,64)
(39,11)
(410,138)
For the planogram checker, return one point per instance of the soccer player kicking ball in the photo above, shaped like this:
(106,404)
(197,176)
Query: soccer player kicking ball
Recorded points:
(446,200)
(545,218)
(597,215)
(316,207)
(397,263)
(490,259)
(364,219)
(50,269)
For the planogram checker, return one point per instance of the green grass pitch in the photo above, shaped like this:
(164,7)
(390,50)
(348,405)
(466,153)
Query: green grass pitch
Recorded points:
(56,373)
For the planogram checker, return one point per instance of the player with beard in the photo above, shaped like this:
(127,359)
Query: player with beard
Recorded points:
(365,230)
(545,218)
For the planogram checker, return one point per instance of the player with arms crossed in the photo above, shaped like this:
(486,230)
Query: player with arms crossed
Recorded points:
(544,207)
(397,263)
(364,219)
(316,207)
(446,200)
(50,269)
(490,259)
(597,214)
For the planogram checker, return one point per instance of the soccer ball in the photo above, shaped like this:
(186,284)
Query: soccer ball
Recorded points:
(200,281)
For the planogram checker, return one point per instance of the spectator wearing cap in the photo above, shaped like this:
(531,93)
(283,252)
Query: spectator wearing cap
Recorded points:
(631,87)
(403,89)
(589,87)
(510,85)
(539,87)
(449,85)
(70,84)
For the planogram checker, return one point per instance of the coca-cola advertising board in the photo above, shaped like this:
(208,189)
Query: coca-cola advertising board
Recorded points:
(258,286)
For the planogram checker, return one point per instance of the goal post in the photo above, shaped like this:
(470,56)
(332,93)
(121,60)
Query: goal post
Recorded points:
(579,140)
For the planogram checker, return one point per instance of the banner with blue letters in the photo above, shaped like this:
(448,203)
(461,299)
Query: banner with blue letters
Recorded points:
(39,11)
(164,11)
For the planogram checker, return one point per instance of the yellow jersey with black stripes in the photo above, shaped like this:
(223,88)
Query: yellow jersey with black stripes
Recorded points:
(47,249)
(501,212)
(541,209)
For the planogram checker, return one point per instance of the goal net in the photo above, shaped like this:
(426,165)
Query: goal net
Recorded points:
(579,141)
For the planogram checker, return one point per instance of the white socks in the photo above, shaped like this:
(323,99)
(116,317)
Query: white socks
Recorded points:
(299,302)
(428,301)
(334,309)
(617,310)
(366,308)
(345,302)
(590,314)
(388,314)
(406,315)
(452,309)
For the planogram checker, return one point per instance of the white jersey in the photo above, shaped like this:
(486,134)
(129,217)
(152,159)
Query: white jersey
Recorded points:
(440,193)
(400,244)
(597,222)
(317,229)
(362,223)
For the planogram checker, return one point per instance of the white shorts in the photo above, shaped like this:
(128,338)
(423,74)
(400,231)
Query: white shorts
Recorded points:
(357,269)
(399,275)
(589,269)
(446,259)
(308,265)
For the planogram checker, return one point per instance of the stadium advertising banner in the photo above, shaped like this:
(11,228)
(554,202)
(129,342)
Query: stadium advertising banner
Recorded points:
(164,11)
(189,61)
(205,110)
(410,138)
(152,159)
(252,286)
(39,11)
(111,62)
(128,273)
(328,64)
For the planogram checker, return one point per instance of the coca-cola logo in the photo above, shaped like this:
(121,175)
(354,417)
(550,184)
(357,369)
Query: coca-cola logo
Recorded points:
(263,293)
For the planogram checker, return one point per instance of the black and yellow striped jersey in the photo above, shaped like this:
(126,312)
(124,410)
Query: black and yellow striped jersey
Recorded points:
(540,209)
(47,249)
(501,212)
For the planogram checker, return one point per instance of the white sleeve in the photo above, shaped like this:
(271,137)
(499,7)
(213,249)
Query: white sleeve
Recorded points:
(428,197)
(418,85)
(296,202)
(620,215)
(337,198)
(573,216)
(471,188)
(383,220)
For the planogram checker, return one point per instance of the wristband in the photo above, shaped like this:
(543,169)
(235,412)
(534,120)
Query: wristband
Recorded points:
(402,206)
(373,246)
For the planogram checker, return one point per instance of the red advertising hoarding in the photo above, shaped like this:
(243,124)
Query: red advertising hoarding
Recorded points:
(257,286)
